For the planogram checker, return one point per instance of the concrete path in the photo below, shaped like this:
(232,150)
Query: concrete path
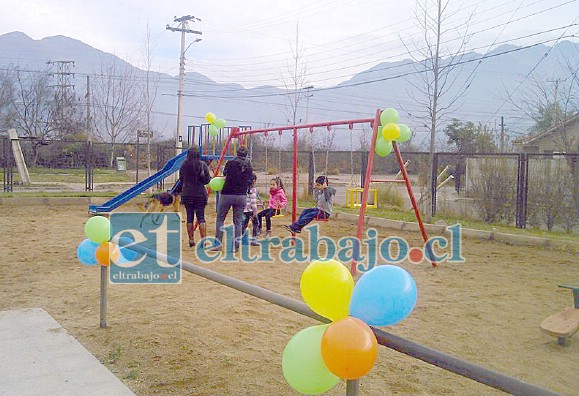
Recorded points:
(38,357)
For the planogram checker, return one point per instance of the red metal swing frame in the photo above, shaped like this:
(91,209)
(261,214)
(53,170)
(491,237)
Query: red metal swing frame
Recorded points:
(374,123)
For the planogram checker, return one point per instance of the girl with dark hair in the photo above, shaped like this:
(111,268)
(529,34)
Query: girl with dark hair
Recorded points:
(194,175)
(277,202)
(324,196)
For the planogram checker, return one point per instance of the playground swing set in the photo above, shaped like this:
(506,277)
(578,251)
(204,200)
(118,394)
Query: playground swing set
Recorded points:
(230,138)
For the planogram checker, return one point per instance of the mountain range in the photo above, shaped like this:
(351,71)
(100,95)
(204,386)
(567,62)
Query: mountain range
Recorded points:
(494,82)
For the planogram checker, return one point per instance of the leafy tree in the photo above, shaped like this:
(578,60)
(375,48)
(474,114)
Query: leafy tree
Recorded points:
(469,138)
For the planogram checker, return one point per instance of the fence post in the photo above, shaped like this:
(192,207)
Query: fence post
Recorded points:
(88,168)
(433,181)
(522,189)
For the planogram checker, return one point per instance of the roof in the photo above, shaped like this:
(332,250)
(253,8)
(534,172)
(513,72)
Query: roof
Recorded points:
(538,136)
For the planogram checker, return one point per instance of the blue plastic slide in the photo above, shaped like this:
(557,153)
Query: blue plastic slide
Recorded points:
(172,166)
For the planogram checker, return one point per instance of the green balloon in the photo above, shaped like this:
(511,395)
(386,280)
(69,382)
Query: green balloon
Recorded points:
(383,147)
(98,229)
(213,130)
(389,116)
(405,133)
(302,363)
(219,123)
(217,183)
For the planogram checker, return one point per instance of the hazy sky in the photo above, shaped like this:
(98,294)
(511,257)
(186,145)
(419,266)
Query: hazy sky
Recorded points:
(252,42)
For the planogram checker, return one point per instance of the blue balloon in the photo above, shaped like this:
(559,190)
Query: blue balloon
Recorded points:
(86,252)
(383,296)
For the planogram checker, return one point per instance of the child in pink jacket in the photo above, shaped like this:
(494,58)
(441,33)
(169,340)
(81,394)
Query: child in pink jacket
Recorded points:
(277,201)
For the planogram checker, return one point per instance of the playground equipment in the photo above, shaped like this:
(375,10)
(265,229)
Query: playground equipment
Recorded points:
(564,324)
(172,166)
(208,144)
(374,122)
(412,349)
(354,197)
(12,155)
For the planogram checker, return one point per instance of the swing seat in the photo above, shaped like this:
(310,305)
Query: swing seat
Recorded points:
(278,214)
(321,218)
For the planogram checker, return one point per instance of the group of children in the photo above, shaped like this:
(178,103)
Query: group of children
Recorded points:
(277,202)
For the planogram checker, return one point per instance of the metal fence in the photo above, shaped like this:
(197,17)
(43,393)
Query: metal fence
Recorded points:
(525,190)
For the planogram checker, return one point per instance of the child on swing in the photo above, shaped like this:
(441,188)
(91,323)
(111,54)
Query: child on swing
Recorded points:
(277,201)
(324,196)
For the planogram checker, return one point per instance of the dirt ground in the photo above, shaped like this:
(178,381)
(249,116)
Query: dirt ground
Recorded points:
(201,338)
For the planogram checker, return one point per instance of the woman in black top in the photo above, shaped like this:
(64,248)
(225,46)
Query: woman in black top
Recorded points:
(194,174)
(237,174)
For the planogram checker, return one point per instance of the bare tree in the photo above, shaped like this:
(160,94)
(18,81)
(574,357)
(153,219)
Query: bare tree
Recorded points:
(439,67)
(364,138)
(150,92)
(328,146)
(118,104)
(294,80)
(33,108)
(6,97)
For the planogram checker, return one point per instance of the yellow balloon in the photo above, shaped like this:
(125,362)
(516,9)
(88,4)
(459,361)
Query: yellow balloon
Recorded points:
(327,287)
(210,117)
(391,132)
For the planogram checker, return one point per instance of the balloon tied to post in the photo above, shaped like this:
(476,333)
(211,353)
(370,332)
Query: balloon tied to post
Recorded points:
(215,124)
(317,357)
(389,131)
(97,248)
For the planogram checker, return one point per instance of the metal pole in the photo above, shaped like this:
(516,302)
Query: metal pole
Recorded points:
(179,137)
(138,159)
(104,283)
(412,199)
(353,387)
(295,177)
(450,363)
(367,179)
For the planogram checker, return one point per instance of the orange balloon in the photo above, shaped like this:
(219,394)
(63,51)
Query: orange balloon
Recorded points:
(106,252)
(349,348)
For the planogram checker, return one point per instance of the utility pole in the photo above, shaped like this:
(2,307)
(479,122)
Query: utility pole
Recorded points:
(183,28)
(502,134)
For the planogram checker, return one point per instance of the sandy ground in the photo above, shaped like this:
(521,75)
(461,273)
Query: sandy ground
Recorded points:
(201,338)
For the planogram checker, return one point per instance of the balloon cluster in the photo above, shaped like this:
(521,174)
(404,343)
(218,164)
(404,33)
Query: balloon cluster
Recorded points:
(388,131)
(96,248)
(317,357)
(215,124)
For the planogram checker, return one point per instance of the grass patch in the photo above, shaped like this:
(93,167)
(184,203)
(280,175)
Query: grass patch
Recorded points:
(72,175)
(59,194)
